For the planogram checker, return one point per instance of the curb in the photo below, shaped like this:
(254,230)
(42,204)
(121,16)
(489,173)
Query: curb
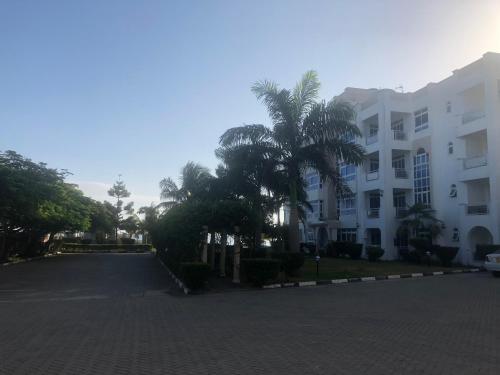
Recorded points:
(369,278)
(178,281)
(30,259)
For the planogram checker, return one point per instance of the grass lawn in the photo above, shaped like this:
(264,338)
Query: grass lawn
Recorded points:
(337,268)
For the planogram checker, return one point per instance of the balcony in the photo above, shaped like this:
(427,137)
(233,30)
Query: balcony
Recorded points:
(474,162)
(401,212)
(372,176)
(399,135)
(373,213)
(472,116)
(347,211)
(372,139)
(477,209)
(400,173)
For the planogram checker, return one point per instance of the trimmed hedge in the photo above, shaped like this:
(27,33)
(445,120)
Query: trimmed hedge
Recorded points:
(446,254)
(291,263)
(374,253)
(195,274)
(260,271)
(127,241)
(86,241)
(483,250)
(341,249)
(99,248)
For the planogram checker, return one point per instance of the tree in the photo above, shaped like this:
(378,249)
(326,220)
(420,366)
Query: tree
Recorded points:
(305,134)
(194,179)
(36,202)
(119,191)
(150,218)
(420,223)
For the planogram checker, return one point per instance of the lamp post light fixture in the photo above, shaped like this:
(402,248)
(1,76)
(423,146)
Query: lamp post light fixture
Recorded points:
(317,258)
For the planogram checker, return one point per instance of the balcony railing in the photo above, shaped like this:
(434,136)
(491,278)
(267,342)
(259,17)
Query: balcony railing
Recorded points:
(472,116)
(347,211)
(400,173)
(401,212)
(373,212)
(475,162)
(372,139)
(477,209)
(371,176)
(399,135)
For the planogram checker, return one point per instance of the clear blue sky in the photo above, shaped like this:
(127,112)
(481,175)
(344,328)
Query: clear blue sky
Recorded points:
(141,87)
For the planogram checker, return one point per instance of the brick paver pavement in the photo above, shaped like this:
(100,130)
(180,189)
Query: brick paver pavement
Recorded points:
(119,314)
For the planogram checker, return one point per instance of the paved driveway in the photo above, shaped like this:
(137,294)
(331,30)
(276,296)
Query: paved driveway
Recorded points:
(113,314)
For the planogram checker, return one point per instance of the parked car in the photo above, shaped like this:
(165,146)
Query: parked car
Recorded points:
(492,263)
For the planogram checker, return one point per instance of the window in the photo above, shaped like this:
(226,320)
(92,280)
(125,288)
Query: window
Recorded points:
(421,119)
(373,165)
(347,234)
(310,235)
(448,107)
(398,125)
(421,178)
(399,199)
(347,171)
(317,210)
(399,162)
(456,235)
(313,181)
(450,148)
(372,130)
(374,200)
(347,205)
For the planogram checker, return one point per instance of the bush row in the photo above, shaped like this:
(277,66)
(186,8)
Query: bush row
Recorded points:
(103,247)
(343,249)
(88,241)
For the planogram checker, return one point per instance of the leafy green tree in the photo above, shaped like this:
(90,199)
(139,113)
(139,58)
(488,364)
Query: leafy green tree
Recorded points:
(305,134)
(36,202)
(119,191)
(102,220)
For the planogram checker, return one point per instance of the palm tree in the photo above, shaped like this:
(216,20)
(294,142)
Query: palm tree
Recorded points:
(305,134)
(194,179)
(420,222)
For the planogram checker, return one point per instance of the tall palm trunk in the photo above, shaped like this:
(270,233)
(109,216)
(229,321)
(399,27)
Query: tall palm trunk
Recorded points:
(293,230)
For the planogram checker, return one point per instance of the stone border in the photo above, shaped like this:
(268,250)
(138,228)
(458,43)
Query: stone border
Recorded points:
(370,278)
(30,259)
(178,281)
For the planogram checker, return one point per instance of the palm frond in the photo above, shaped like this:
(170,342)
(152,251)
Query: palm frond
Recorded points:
(246,134)
(305,93)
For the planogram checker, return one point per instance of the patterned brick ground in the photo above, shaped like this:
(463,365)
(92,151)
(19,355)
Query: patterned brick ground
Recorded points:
(120,314)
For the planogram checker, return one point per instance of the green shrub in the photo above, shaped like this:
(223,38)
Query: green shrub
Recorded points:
(86,241)
(422,245)
(68,247)
(307,247)
(446,254)
(374,253)
(260,271)
(291,263)
(194,274)
(127,241)
(483,250)
(354,250)
(332,249)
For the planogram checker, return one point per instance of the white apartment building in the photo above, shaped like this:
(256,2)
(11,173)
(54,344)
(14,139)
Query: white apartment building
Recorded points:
(439,146)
